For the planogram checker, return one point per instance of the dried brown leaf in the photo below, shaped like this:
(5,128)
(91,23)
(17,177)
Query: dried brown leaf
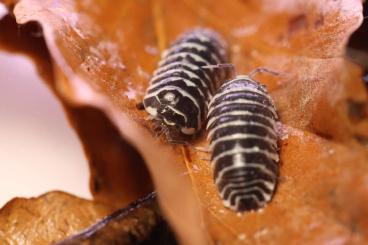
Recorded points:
(116,167)
(48,218)
(106,53)
(134,224)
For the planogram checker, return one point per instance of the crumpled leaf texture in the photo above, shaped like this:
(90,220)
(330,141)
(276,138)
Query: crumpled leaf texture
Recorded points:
(133,224)
(105,53)
(48,218)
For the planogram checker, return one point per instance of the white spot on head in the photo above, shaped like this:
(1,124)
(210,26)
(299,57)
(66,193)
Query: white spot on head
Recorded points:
(169,96)
(152,111)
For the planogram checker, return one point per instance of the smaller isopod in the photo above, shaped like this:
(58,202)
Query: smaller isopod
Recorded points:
(185,81)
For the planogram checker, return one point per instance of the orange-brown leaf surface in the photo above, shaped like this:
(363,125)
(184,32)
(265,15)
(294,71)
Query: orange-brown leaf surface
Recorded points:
(116,168)
(104,53)
(48,218)
(66,219)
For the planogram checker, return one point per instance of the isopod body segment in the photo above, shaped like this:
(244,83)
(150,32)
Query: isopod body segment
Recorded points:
(185,81)
(241,130)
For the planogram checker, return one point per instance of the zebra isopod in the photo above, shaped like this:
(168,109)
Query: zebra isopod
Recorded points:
(185,80)
(243,142)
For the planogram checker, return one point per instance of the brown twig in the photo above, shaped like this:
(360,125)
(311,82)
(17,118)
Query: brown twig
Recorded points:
(135,224)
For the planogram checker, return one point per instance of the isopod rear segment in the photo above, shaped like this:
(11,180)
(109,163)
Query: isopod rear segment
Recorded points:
(241,130)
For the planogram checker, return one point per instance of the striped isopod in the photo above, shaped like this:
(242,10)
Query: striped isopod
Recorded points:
(185,81)
(243,142)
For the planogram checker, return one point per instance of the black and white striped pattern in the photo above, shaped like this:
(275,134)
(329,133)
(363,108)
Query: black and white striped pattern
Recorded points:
(183,83)
(241,125)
